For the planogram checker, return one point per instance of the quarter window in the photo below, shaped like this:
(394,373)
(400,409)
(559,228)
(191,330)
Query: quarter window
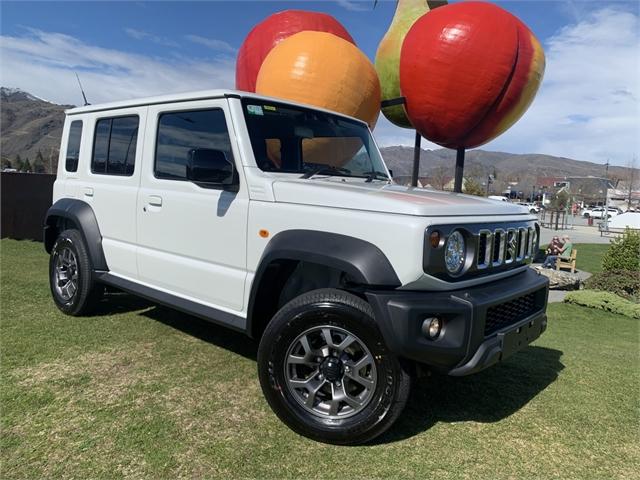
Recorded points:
(73,146)
(114,147)
(180,133)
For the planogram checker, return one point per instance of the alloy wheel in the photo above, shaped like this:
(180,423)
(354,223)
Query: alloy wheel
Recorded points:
(330,372)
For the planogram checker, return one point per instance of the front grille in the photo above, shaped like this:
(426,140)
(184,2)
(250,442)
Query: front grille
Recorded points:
(499,247)
(508,313)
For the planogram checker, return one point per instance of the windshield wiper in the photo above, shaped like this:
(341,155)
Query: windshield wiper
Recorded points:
(376,175)
(339,171)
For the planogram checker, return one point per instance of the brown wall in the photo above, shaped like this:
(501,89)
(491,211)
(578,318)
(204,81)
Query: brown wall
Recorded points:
(25,199)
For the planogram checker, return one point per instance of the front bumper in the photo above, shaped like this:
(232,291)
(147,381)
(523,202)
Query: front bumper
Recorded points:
(481,325)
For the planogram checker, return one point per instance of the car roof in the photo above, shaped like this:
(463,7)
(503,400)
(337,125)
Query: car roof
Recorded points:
(193,96)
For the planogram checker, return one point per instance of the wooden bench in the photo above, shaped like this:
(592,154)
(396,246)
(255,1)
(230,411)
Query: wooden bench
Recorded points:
(568,262)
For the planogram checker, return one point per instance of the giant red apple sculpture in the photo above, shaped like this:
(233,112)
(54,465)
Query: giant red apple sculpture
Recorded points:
(275,28)
(468,71)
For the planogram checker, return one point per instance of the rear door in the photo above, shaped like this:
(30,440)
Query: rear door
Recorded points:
(191,239)
(109,182)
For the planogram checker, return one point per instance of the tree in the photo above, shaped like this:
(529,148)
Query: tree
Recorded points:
(38,163)
(473,187)
(19,163)
(26,167)
(439,177)
(561,200)
(6,163)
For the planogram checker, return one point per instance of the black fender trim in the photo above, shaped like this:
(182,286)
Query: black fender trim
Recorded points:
(364,262)
(83,216)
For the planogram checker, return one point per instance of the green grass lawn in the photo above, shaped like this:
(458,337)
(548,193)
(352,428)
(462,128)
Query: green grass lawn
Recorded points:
(143,391)
(589,256)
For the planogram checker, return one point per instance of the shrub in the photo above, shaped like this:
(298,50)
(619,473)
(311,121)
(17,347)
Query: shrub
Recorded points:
(621,282)
(607,301)
(623,253)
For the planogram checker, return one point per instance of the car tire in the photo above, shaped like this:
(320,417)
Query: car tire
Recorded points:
(353,393)
(586,215)
(71,280)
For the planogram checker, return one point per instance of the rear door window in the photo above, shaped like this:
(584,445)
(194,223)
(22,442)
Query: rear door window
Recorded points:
(114,147)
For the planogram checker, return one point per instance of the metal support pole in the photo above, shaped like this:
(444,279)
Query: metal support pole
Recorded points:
(416,161)
(459,170)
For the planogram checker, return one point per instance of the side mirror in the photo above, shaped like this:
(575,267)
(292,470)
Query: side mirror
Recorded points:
(391,173)
(210,168)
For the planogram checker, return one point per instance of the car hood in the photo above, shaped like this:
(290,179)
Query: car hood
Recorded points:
(378,196)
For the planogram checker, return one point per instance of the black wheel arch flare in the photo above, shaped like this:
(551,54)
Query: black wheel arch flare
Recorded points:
(363,261)
(81,215)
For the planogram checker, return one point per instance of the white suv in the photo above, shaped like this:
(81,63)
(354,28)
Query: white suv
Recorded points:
(281,221)
(598,212)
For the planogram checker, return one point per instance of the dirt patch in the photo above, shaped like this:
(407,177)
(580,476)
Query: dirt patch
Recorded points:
(104,376)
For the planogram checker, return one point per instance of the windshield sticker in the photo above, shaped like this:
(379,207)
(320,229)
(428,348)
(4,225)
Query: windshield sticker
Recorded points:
(255,110)
(271,108)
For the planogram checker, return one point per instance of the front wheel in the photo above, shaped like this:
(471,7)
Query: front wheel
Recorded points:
(326,371)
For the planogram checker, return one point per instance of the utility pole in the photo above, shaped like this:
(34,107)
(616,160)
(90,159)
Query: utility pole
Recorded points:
(489,182)
(631,180)
(606,195)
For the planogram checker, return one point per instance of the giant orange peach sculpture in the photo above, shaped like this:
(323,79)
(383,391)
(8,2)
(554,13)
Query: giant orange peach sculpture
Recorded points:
(271,31)
(324,70)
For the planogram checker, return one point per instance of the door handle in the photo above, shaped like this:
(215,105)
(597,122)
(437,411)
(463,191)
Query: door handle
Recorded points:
(88,191)
(155,200)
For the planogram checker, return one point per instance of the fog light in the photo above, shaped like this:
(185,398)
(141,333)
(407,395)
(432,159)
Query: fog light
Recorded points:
(431,327)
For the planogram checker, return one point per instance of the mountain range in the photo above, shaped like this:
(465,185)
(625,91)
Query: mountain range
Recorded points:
(30,125)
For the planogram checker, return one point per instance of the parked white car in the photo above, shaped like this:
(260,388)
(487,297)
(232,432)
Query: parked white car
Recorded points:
(532,207)
(598,212)
(280,221)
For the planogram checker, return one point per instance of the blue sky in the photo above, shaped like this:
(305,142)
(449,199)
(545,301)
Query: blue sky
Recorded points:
(588,106)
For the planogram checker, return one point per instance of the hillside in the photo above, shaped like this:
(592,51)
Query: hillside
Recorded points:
(29,124)
(507,165)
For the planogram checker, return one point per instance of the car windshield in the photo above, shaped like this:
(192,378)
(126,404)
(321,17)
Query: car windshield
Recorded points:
(304,141)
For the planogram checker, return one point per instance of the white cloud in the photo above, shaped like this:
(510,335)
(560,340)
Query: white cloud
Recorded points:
(356,5)
(589,104)
(142,35)
(588,107)
(212,43)
(43,63)
(387,135)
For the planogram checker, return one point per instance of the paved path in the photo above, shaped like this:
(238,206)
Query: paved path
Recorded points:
(557,296)
(579,232)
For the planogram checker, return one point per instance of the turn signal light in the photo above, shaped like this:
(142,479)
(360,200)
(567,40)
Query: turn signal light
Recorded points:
(434,239)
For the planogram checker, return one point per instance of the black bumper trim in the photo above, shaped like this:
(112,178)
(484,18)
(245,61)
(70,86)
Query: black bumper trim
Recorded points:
(462,346)
(504,344)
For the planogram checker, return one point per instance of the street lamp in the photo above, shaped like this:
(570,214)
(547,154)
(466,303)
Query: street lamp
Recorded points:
(489,182)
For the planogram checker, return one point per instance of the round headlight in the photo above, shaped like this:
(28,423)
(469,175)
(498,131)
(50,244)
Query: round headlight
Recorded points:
(454,252)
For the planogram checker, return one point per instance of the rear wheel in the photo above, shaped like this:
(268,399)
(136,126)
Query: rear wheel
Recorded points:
(71,275)
(326,372)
